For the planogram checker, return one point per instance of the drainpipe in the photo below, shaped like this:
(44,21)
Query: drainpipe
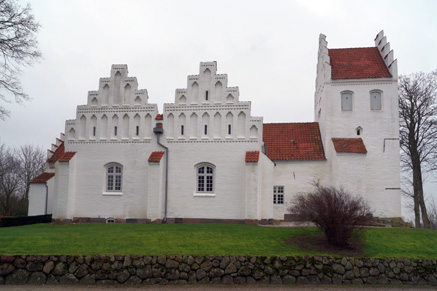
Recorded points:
(47,196)
(158,130)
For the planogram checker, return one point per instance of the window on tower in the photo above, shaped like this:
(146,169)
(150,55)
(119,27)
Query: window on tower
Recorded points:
(346,101)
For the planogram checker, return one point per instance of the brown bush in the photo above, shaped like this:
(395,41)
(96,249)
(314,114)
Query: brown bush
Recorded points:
(337,213)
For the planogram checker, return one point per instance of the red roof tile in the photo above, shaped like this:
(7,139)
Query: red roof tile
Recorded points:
(357,63)
(293,141)
(67,157)
(156,157)
(61,155)
(252,157)
(58,153)
(42,178)
(349,145)
(159,117)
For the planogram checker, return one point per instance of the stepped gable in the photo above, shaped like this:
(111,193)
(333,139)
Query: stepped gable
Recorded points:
(61,155)
(349,145)
(357,63)
(293,141)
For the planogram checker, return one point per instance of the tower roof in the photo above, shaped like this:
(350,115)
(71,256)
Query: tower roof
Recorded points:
(357,63)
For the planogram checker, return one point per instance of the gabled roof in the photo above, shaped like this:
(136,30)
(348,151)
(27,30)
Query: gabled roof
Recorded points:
(42,178)
(349,145)
(252,157)
(293,141)
(357,63)
(156,157)
(61,155)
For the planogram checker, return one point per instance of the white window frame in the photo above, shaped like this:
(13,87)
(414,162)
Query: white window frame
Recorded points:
(113,175)
(278,195)
(372,94)
(205,180)
(344,96)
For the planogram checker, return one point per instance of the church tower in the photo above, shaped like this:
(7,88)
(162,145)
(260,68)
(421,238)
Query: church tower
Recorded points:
(356,105)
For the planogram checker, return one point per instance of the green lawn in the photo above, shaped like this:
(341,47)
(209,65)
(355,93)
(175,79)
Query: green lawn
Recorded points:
(198,239)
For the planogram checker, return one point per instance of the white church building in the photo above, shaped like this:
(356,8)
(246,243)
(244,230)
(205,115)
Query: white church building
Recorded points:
(206,158)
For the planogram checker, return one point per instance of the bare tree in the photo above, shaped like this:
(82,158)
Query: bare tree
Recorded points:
(32,162)
(18,48)
(418,133)
(9,181)
(17,168)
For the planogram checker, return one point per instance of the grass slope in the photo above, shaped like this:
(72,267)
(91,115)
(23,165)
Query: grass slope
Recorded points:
(197,239)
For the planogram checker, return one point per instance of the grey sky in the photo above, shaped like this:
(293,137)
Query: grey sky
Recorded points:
(267,48)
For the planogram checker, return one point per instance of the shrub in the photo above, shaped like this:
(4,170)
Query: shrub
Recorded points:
(337,213)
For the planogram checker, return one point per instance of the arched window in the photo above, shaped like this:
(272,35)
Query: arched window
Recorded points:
(375,100)
(205,178)
(114,178)
(346,101)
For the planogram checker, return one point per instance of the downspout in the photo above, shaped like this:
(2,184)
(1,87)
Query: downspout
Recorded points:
(158,130)
(47,197)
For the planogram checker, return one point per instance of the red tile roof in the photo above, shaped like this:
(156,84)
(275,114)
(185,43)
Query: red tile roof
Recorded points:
(67,156)
(252,157)
(159,117)
(61,155)
(357,63)
(293,141)
(349,145)
(42,178)
(156,157)
(58,153)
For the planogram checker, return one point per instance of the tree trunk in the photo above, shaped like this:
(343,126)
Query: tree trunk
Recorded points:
(419,201)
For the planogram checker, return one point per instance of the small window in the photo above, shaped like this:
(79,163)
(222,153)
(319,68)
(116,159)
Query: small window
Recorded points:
(205,178)
(115,130)
(206,129)
(113,178)
(182,130)
(359,130)
(137,132)
(278,194)
(375,101)
(206,95)
(229,129)
(346,101)
(94,131)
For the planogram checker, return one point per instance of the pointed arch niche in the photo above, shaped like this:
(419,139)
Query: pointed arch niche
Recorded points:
(71,134)
(105,95)
(104,127)
(253,131)
(205,123)
(148,126)
(183,125)
(218,92)
(193,125)
(137,129)
(217,125)
(195,93)
(82,127)
(116,94)
(125,130)
(170,125)
(241,125)
(229,123)
(127,92)
(93,127)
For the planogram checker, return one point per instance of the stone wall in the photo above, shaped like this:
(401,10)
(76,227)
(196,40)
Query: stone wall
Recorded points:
(214,270)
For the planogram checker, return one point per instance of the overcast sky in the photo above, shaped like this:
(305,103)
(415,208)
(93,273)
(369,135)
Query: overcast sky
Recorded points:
(267,48)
